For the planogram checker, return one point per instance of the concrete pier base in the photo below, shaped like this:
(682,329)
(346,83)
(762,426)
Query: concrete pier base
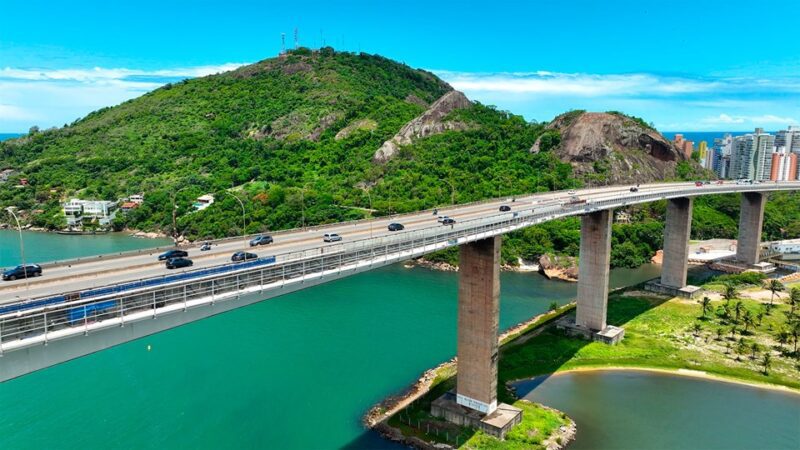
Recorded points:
(751,219)
(594,269)
(609,335)
(496,424)
(687,291)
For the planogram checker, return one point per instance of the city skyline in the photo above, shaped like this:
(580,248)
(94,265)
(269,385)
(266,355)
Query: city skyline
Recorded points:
(77,58)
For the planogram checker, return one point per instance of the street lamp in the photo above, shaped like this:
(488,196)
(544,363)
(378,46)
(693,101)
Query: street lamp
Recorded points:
(452,191)
(174,213)
(370,210)
(244,222)
(10,210)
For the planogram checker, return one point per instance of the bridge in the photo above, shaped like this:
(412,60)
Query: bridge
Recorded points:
(82,306)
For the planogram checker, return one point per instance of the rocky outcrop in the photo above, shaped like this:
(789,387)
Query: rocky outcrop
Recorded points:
(363,124)
(429,123)
(611,148)
(563,268)
(293,126)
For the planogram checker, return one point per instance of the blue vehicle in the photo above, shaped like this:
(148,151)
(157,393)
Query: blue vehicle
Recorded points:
(177,263)
(26,271)
(261,240)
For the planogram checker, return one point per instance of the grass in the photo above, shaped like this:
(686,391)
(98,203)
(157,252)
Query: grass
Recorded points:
(660,333)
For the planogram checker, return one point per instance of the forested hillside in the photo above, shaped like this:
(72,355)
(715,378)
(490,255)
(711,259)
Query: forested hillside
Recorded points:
(294,138)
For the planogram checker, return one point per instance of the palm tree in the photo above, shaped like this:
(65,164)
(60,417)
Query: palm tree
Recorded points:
(774,286)
(741,346)
(766,362)
(755,348)
(697,328)
(794,298)
(730,292)
(748,320)
(783,338)
(705,303)
(738,309)
(733,331)
(720,331)
(760,317)
(795,332)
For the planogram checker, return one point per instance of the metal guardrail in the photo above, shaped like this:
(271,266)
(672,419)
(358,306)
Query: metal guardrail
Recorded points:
(39,320)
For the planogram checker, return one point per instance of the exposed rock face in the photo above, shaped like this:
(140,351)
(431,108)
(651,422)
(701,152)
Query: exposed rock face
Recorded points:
(427,124)
(558,268)
(363,124)
(605,148)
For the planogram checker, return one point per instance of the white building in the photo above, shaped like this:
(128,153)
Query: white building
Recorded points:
(136,198)
(788,246)
(76,210)
(203,202)
(751,154)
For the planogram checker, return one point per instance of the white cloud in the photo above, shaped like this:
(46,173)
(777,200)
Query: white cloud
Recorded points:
(765,119)
(98,74)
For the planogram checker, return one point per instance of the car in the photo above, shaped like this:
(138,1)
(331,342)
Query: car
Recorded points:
(331,237)
(634,189)
(26,271)
(698,183)
(706,182)
(720,182)
(505,208)
(396,226)
(448,221)
(261,239)
(177,263)
(206,247)
(243,256)
(572,193)
(441,219)
(174,253)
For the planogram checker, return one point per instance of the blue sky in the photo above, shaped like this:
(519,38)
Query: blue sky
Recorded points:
(684,65)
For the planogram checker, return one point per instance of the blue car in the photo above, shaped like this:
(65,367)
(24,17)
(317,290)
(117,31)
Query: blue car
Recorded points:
(26,271)
(177,263)
(260,240)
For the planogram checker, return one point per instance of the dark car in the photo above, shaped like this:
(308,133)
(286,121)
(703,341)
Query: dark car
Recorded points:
(31,270)
(177,263)
(260,240)
(448,221)
(634,189)
(172,254)
(243,256)
(505,208)
(396,226)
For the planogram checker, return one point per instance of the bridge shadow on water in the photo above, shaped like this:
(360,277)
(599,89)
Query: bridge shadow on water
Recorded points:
(534,356)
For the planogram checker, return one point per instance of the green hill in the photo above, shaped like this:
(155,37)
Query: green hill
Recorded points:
(297,138)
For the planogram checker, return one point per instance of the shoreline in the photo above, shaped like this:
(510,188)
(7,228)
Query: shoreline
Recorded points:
(688,373)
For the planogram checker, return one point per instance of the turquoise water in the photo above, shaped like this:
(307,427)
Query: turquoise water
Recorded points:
(45,247)
(4,136)
(294,372)
(636,410)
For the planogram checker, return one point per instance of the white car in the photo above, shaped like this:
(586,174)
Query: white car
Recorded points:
(331,237)
(441,219)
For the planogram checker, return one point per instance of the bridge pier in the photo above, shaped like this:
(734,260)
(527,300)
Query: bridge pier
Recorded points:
(677,230)
(751,219)
(475,401)
(593,278)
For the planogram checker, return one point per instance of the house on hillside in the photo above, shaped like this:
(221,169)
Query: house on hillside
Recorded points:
(77,210)
(203,202)
(5,174)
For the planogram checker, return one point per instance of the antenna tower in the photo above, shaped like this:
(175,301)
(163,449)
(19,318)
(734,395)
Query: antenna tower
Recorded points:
(283,43)
(296,45)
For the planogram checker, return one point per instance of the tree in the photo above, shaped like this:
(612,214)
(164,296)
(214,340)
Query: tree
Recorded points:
(748,319)
(733,331)
(766,362)
(794,298)
(755,348)
(783,338)
(730,292)
(774,286)
(760,317)
(741,346)
(720,332)
(737,308)
(705,304)
(553,306)
(697,328)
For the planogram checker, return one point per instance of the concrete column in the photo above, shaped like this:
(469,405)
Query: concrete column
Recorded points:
(751,219)
(593,271)
(676,242)
(478,322)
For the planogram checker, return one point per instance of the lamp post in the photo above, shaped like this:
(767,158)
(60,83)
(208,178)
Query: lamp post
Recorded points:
(174,213)
(10,210)
(244,220)
(370,210)
(452,191)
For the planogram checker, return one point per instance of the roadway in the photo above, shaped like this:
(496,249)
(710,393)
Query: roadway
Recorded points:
(71,276)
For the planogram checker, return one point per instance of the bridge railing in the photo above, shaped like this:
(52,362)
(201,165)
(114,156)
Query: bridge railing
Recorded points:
(66,314)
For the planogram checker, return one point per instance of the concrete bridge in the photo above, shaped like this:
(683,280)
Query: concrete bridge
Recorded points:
(79,307)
